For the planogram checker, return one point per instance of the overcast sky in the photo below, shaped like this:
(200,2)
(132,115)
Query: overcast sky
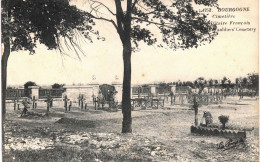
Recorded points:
(231,54)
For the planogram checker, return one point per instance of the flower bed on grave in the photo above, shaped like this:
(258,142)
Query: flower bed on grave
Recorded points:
(215,131)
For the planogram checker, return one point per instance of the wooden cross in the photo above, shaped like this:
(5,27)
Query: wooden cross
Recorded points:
(70,105)
(15,102)
(81,100)
(65,102)
(195,106)
(49,103)
(34,103)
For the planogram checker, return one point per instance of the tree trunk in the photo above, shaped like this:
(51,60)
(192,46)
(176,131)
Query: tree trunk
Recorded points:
(5,57)
(126,99)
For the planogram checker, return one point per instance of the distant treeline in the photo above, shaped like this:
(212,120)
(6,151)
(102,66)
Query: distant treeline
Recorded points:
(249,82)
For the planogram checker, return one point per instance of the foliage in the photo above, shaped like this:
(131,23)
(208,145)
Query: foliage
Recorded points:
(180,25)
(9,87)
(249,82)
(190,84)
(57,86)
(48,22)
(52,23)
(211,83)
(254,81)
(223,120)
(28,84)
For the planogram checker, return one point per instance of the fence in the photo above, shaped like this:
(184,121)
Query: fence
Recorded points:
(14,94)
(54,93)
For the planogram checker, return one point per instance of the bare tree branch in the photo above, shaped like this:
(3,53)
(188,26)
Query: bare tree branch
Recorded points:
(101,18)
(133,6)
(104,6)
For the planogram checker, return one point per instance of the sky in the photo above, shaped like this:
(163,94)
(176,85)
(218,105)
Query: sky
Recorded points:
(231,54)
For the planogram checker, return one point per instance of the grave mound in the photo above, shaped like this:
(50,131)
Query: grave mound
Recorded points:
(76,122)
(32,115)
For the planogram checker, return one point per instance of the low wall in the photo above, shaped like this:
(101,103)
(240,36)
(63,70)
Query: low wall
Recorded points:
(217,132)
(89,91)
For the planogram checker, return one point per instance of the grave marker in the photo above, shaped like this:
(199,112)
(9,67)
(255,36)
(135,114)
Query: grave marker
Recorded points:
(70,105)
(65,102)
(49,101)
(34,102)
(15,102)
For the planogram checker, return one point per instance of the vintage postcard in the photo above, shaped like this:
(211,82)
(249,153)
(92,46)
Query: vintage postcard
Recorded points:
(130,80)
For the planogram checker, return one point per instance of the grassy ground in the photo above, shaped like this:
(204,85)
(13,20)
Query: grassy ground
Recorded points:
(158,135)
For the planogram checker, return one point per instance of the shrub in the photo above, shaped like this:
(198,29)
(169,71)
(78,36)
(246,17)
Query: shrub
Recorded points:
(223,119)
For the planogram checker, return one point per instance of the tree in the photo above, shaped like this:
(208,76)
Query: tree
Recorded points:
(180,26)
(178,23)
(216,82)
(211,83)
(26,23)
(244,82)
(254,81)
(26,87)
(223,120)
(188,83)
(196,84)
(57,86)
(201,83)
(223,82)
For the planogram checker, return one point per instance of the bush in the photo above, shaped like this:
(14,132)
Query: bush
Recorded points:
(223,119)
(57,86)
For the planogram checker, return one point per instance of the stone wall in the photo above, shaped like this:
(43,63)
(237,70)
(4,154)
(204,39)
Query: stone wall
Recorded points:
(88,91)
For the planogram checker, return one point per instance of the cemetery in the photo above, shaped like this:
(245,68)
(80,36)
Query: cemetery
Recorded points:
(170,123)
(146,116)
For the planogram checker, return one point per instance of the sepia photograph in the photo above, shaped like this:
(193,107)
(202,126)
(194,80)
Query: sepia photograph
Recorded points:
(129,80)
